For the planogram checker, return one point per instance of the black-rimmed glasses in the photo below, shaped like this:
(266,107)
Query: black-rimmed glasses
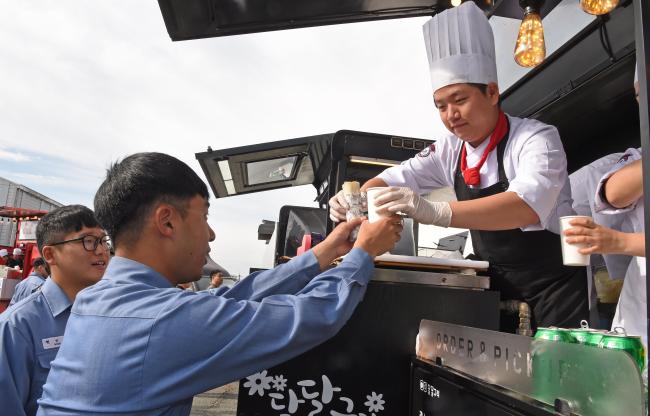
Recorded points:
(90,242)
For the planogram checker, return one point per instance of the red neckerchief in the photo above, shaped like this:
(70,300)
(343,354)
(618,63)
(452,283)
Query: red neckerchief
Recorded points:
(472,175)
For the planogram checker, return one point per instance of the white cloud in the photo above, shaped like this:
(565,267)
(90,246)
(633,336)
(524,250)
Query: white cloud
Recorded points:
(16,157)
(87,83)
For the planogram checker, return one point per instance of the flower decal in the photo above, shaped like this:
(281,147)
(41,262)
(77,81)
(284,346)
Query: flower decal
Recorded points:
(279,383)
(375,402)
(257,383)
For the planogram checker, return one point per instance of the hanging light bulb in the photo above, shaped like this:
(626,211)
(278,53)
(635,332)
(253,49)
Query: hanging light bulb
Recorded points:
(456,3)
(530,49)
(598,7)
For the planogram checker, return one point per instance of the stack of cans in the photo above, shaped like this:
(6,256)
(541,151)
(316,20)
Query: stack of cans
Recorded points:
(613,340)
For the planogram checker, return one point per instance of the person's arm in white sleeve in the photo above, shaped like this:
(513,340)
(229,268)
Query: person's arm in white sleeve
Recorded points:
(541,173)
(625,186)
(602,204)
(430,169)
(503,211)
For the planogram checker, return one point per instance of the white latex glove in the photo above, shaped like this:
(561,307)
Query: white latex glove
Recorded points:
(402,199)
(338,207)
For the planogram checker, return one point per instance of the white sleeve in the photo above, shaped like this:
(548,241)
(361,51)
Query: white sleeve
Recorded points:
(428,170)
(540,166)
(601,205)
(580,193)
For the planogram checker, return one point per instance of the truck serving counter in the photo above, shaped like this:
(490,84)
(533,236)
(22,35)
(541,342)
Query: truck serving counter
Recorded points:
(365,368)
(471,371)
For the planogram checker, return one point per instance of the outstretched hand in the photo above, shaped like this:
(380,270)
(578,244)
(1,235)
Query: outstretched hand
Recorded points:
(594,237)
(337,243)
(380,236)
(402,199)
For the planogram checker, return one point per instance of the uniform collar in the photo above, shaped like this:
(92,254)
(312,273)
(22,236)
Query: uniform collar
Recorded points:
(37,275)
(123,269)
(55,297)
(478,149)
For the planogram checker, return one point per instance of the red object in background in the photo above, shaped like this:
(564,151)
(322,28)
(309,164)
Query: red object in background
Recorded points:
(11,274)
(306,244)
(309,241)
(31,253)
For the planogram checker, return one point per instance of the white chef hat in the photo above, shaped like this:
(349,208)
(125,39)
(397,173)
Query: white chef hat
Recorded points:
(460,47)
(18,252)
(3,253)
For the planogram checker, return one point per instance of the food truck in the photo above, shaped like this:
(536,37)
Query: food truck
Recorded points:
(466,365)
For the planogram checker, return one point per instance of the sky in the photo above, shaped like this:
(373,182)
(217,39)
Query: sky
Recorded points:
(84,84)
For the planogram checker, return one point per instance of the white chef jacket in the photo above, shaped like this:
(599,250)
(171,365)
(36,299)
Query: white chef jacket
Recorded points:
(534,163)
(584,182)
(631,308)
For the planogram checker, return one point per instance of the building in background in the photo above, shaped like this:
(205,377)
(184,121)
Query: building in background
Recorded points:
(19,196)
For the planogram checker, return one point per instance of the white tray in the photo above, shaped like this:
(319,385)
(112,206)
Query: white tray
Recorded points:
(436,262)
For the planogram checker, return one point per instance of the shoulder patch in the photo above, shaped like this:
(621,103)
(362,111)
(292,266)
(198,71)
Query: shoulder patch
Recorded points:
(428,150)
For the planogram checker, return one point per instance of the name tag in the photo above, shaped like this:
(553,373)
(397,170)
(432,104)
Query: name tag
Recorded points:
(53,342)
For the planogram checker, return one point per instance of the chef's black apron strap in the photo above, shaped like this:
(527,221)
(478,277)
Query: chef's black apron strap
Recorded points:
(528,265)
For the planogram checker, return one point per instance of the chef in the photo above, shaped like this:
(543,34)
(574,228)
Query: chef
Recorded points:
(509,175)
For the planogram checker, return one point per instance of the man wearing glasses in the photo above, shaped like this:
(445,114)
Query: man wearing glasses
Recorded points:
(76,249)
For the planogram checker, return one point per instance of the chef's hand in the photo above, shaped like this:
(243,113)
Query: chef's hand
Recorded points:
(595,237)
(380,236)
(402,199)
(336,244)
(338,207)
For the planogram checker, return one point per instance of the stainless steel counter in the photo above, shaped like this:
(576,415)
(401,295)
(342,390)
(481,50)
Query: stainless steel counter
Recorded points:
(450,279)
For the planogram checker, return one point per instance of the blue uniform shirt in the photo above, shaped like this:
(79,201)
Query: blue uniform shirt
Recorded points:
(136,345)
(30,334)
(26,287)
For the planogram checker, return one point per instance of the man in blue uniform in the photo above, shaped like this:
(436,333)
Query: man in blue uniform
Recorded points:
(31,331)
(137,345)
(31,282)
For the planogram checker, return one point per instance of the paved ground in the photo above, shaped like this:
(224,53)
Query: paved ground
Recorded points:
(217,402)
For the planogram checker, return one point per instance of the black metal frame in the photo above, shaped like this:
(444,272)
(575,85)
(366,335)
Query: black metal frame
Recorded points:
(642,35)
(347,143)
(313,147)
(508,402)
(281,229)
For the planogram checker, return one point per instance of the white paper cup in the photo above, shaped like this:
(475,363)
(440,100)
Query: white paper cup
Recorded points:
(570,254)
(372,208)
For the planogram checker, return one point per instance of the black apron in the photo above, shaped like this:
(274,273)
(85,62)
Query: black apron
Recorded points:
(528,265)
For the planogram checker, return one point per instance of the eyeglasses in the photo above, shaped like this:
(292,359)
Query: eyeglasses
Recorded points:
(90,242)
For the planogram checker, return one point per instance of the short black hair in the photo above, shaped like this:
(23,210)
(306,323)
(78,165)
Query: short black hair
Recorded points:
(39,261)
(481,87)
(133,186)
(61,221)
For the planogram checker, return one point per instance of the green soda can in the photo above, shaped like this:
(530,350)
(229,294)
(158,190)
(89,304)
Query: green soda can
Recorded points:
(555,334)
(581,335)
(594,337)
(631,345)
